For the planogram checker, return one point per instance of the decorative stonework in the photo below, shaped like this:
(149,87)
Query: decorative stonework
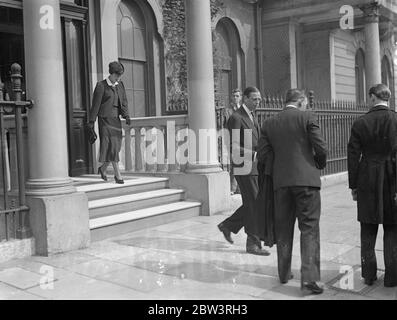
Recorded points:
(371,12)
(359,40)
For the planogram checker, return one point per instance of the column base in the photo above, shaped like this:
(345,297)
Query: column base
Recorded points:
(49,187)
(211,189)
(203,168)
(59,223)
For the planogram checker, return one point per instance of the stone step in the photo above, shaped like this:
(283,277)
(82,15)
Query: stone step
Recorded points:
(95,188)
(110,206)
(122,223)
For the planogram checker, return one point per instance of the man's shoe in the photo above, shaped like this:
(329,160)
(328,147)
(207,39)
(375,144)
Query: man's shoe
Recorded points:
(226,233)
(257,251)
(291,276)
(312,288)
(390,284)
(370,282)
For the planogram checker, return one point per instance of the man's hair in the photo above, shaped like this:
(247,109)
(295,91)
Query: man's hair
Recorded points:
(236,91)
(294,95)
(380,91)
(116,67)
(249,90)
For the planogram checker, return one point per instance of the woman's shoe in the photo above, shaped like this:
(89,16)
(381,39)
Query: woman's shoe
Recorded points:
(118,181)
(103,176)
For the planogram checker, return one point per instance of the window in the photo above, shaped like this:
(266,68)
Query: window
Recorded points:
(228,61)
(360,77)
(387,77)
(386,72)
(136,39)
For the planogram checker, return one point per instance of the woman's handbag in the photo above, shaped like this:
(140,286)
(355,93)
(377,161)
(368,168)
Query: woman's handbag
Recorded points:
(92,136)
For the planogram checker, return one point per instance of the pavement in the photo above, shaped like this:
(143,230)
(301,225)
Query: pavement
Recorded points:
(190,260)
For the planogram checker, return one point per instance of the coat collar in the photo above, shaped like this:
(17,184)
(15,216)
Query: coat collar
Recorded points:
(248,122)
(110,84)
(378,108)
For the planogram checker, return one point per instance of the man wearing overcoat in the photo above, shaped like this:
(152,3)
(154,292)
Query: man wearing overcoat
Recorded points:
(294,138)
(372,178)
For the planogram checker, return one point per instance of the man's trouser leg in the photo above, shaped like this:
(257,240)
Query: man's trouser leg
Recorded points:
(236,221)
(308,210)
(244,216)
(368,257)
(249,191)
(284,230)
(390,254)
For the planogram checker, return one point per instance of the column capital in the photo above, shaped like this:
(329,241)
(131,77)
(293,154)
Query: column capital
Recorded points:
(371,12)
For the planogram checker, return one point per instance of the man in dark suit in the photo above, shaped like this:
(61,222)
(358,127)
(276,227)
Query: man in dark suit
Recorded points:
(244,130)
(372,178)
(293,137)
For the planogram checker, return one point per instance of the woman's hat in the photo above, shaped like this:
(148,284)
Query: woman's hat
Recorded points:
(116,67)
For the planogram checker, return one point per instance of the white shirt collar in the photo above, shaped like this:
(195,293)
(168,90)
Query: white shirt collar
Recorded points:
(291,106)
(384,104)
(110,83)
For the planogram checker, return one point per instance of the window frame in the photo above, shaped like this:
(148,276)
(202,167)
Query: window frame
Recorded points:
(150,34)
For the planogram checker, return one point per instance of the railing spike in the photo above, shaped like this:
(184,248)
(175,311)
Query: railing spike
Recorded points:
(1,89)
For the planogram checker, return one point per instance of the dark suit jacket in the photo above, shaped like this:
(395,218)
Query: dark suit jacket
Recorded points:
(299,150)
(102,102)
(241,121)
(372,145)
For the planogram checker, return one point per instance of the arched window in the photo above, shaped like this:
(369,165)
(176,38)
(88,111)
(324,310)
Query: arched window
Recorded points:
(386,72)
(228,61)
(135,31)
(387,77)
(360,76)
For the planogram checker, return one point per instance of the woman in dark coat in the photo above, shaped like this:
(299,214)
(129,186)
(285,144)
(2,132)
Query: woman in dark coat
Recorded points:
(372,178)
(108,104)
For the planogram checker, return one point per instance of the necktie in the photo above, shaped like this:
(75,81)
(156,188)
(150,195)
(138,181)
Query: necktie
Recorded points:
(116,96)
(252,116)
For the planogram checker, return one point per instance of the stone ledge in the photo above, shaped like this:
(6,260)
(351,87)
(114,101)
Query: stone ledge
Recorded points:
(16,249)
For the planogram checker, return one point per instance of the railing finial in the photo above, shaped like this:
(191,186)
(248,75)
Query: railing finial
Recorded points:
(16,79)
(311,99)
(1,88)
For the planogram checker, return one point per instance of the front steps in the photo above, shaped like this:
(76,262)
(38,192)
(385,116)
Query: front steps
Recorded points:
(140,203)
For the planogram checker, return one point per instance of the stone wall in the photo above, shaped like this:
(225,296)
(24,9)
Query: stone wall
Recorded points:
(170,22)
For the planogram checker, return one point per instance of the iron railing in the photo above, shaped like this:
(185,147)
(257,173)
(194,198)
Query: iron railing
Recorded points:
(335,118)
(14,223)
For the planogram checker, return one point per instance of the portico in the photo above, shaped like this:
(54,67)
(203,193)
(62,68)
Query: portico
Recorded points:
(58,213)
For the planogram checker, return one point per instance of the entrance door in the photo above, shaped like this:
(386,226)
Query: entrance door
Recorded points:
(11,45)
(77,94)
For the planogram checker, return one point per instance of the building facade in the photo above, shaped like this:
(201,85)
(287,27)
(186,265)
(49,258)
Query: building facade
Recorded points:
(182,59)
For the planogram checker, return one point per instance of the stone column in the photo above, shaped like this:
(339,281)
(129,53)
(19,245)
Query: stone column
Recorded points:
(372,44)
(204,179)
(200,72)
(59,215)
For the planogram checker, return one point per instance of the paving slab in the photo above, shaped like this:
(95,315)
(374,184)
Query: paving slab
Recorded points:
(20,278)
(190,260)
